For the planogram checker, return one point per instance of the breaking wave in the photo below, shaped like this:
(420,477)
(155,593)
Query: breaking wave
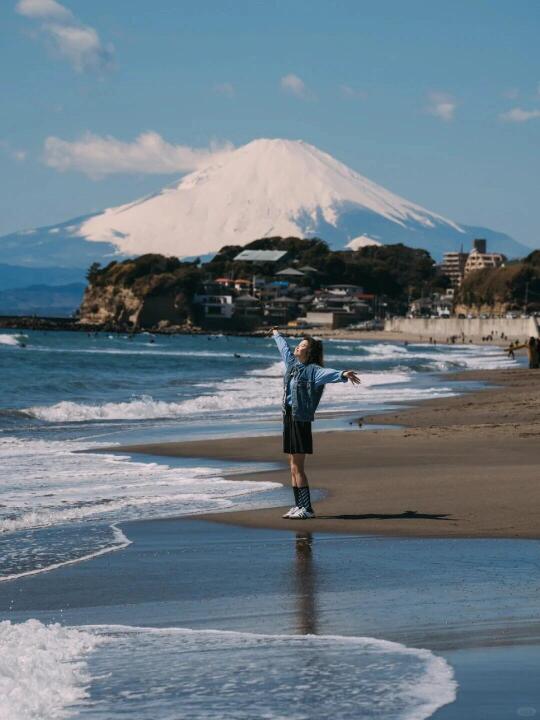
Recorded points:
(116,671)
(7,339)
(60,501)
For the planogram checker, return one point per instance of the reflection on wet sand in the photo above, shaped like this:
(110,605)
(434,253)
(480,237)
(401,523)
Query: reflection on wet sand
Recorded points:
(305,584)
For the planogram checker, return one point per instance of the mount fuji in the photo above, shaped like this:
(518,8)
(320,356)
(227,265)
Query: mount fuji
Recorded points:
(262,189)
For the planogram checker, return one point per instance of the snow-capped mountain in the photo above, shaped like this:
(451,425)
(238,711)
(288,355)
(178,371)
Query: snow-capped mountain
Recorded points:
(265,188)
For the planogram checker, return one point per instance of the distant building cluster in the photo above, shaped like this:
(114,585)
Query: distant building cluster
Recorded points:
(284,296)
(457,265)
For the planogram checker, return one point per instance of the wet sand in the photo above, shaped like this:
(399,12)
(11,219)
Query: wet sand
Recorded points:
(474,602)
(466,466)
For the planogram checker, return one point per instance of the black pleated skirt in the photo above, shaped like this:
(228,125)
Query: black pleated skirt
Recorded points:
(297,436)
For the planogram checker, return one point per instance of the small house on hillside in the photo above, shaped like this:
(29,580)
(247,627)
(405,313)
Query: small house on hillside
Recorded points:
(247,306)
(239,284)
(214,306)
(281,309)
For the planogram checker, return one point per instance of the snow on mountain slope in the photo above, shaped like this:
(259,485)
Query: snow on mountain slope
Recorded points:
(268,187)
(262,189)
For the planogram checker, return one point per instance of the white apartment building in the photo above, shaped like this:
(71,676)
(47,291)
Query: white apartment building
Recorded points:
(479,260)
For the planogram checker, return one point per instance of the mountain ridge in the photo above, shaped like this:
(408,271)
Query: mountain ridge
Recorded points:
(266,188)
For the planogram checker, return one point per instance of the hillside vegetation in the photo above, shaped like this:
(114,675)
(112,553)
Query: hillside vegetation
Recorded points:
(395,271)
(506,288)
(153,289)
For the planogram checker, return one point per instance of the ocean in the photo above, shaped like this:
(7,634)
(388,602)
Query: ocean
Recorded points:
(67,400)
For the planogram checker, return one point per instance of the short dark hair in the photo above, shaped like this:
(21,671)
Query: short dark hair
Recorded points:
(314,351)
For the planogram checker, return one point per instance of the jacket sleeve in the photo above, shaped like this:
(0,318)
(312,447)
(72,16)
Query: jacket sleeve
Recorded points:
(323,376)
(284,349)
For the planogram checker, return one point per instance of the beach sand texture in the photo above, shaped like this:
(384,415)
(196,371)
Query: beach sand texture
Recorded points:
(465,466)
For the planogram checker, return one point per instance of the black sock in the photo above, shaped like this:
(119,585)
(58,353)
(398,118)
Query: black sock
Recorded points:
(304,497)
(296,496)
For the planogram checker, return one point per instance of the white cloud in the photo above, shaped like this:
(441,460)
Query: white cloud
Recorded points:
(518,115)
(442,106)
(48,9)
(352,93)
(294,85)
(226,89)
(149,153)
(78,43)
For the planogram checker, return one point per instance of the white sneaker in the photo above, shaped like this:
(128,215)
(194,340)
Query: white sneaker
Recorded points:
(302,514)
(291,512)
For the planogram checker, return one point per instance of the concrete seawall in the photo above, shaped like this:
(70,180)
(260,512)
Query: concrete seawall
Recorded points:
(442,328)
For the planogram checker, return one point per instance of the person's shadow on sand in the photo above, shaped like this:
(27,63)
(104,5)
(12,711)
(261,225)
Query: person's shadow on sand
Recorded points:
(407,515)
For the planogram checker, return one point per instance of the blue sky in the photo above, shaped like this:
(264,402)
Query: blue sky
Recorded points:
(437,101)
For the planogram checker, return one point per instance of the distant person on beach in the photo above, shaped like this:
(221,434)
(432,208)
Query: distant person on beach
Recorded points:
(533,352)
(303,385)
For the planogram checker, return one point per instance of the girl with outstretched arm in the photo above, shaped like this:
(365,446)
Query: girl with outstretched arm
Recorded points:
(303,385)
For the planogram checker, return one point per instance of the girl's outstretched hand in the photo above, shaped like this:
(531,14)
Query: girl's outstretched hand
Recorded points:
(352,376)
(272,331)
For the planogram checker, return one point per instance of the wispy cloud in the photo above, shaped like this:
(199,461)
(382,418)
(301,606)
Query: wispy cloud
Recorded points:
(226,89)
(79,44)
(518,115)
(294,85)
(149,153)
(442,106)
(351,93)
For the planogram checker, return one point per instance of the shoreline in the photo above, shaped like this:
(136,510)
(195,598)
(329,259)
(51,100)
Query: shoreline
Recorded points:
(459,467)
(69,325)
(450,599)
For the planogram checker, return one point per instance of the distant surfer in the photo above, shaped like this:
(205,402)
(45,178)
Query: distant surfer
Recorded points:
(303,385)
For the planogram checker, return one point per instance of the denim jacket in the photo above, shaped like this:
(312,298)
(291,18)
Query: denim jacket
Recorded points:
(303,384)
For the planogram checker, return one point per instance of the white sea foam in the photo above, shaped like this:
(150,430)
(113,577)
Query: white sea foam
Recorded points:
(259,391)
(49,485)
(42,669)
(7,339)
(473,356)
(176,672)
(153,351)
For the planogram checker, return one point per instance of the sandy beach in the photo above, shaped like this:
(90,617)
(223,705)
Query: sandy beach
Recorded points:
(465,466)
(422,540)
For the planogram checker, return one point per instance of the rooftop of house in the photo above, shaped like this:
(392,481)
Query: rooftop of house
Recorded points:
(291,272)
(260,255)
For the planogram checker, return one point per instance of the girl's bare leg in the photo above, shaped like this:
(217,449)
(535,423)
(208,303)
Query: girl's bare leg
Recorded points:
(298,474)
(293,475)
